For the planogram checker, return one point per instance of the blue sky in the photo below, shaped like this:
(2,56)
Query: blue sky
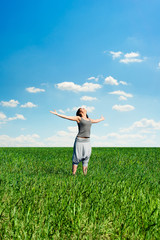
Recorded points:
(104,55)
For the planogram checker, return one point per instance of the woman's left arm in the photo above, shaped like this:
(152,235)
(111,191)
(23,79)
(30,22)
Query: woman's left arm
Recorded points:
(97,120)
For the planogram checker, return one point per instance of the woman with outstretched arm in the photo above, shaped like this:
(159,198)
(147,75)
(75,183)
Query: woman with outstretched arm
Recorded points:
(82,147)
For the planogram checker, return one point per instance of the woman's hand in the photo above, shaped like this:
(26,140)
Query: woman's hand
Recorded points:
(55,113)
(102,118)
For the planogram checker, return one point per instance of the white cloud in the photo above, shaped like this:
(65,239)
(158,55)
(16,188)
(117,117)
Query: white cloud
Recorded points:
(125,136)
(93,78)
(111,81)
(128,57)
(4,119)
(11,103)
(63,133)
(20,141)
(158,66)
(122,98)
(87,98)
(34,90)
(66,138)
(88,108)
(115,54)
(2,116)
(63,138)
(123,108)
(131,60)
(123,83)
(71,86)
(74,109)
(64,111)
(18,116)
(113,139)
(132,55)
(144,125)
(122,93)
(61,111)
(73,129)
(28,105)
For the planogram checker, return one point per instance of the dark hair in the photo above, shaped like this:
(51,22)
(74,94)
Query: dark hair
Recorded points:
(78,113)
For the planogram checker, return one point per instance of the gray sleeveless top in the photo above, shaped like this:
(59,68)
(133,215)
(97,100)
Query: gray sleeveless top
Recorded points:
(84,127)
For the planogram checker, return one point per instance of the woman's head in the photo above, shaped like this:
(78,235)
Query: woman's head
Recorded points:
(81,112)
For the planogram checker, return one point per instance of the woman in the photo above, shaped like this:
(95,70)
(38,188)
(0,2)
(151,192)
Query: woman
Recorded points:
(82,147)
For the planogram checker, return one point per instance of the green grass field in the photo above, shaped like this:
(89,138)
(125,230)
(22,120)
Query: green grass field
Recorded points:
(118,199)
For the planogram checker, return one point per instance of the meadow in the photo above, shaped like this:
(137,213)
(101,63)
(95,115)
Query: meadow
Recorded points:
(118,199)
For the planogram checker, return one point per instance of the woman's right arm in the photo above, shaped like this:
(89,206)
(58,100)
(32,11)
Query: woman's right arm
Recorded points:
(72,118)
